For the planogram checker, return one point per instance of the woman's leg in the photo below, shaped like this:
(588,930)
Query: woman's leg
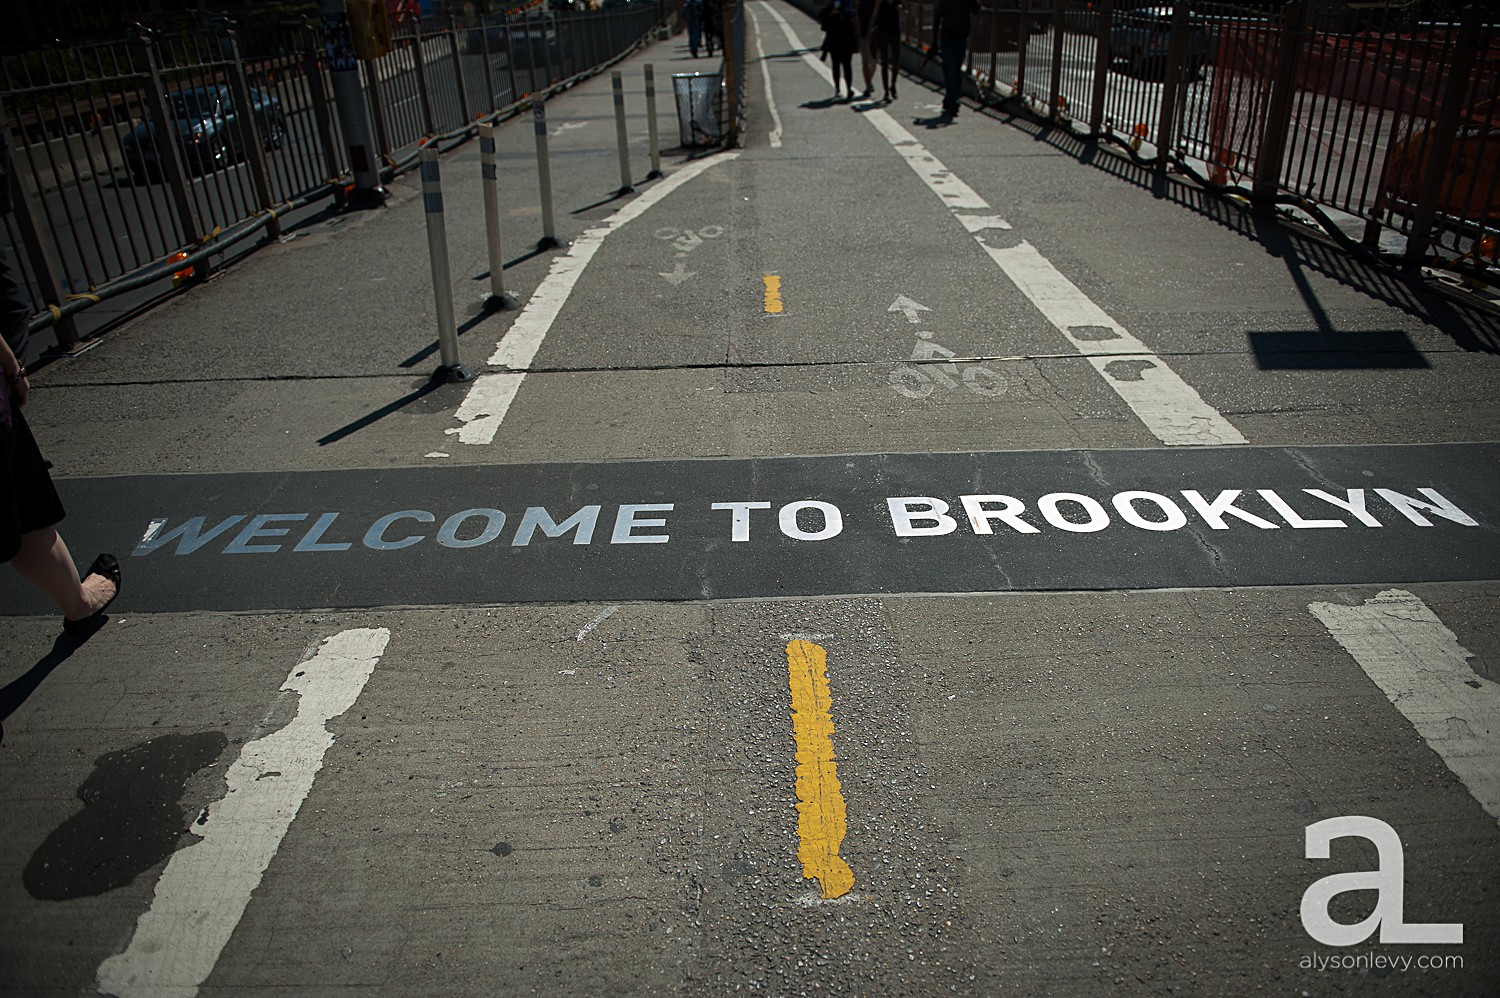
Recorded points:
(44,561)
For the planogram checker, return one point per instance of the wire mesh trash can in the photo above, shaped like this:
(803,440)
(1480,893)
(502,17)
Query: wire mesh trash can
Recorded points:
(700,98)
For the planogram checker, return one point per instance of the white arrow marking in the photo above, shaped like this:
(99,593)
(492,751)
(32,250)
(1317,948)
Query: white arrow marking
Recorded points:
(908,308)
(679,275)
(568,126)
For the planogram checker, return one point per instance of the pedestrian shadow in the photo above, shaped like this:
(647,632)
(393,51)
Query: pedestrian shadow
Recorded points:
(826,102)
(936,121)
(17,691)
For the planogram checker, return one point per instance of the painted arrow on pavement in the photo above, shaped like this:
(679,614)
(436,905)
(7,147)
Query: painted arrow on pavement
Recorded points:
(908,308)
(679,275)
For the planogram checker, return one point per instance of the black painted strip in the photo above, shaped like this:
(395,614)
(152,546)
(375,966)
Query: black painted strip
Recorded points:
(298,540)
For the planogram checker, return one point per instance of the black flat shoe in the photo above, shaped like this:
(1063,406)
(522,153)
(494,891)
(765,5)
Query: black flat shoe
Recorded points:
(108,566)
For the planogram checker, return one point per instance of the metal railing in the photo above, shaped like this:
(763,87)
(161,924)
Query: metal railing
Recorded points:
(1384,129)
(146,158)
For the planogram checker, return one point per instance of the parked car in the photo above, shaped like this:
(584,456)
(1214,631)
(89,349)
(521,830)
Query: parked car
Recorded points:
(206,126)
(1140,39)
(1470,190)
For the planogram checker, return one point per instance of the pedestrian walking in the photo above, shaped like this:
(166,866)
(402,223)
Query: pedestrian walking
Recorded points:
(713,25)
(951,21)
(692,13)
(840,41)
(29,506)
(864,23)
(885,39)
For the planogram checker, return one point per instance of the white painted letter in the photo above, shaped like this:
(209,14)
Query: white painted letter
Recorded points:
(1354,504)
(739,522)
(190,533)
(1213,512)
(1291,516)
(536,517)
(1408,507)
(833,520)
(257,528)
(626,522)
(906,509)
(1098,519)
(448,533)
(1175,517)
(374,537)
(313,539)
(1009,514)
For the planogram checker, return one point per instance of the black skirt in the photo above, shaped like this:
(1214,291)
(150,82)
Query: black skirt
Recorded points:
(28,500)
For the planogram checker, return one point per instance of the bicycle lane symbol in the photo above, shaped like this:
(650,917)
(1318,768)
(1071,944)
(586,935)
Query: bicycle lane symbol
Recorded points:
(919,380)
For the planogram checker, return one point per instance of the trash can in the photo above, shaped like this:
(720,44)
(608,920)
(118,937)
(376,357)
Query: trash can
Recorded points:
(699,98)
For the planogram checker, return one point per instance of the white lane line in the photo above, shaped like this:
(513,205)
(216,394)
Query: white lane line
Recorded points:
(490,395)
(205,887)
(765,72)
(1419,664)
(1169,407)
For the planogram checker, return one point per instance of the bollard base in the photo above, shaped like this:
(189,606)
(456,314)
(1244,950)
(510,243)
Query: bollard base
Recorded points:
(362,198)
(627,189)
(492,302)
(550,243)
(453,375)
(655,175)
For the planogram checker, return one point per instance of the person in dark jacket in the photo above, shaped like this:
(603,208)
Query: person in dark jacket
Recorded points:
(885,39)
(951,21)
(840,39)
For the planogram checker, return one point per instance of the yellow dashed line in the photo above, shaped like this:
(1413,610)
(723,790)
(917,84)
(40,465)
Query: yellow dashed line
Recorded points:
(773,294)
(820,802)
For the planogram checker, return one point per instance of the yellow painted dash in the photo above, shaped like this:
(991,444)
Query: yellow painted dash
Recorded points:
(820,801)
(773,294)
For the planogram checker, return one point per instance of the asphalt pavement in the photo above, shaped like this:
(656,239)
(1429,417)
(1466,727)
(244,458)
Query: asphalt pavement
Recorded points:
(894,557)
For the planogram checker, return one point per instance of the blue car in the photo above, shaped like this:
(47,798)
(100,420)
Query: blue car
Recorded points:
(206,126)
(1140,39)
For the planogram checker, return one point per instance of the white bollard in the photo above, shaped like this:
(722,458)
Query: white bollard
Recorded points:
(651,123)
(549,238)
(442,285)
(497,298)
(619,88)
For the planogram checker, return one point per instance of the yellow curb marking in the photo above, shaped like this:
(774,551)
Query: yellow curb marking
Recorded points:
(773,294)
(820,803)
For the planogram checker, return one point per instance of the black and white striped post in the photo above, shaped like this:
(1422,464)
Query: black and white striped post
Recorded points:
(619,88)
(651,123)
(442,286)
(549,238)
(497,298)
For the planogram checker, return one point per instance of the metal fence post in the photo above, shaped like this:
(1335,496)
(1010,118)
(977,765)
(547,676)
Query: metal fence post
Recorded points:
(1171,80)
(442,282)
(1023,38)
(1058,11)
(731,74)
(251,141)
(498,297)
(377,106)
(168,152)
(489,69)
(429,125)
(1103,60)
(651,127)
(1279,117)
(618,86)
(994,13)
(1440,152)
(458,71)
(323,121)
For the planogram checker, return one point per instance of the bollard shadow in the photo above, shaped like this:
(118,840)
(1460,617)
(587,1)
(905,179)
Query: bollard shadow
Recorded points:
(1332,350)
(529,254)
(468,324)
(616,196)
(427,388)
(17,691)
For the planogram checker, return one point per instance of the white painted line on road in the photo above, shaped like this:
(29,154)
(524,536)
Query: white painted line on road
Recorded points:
(490,395)
(1420,666)
(1168,406)
(765,72)
(205,887)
